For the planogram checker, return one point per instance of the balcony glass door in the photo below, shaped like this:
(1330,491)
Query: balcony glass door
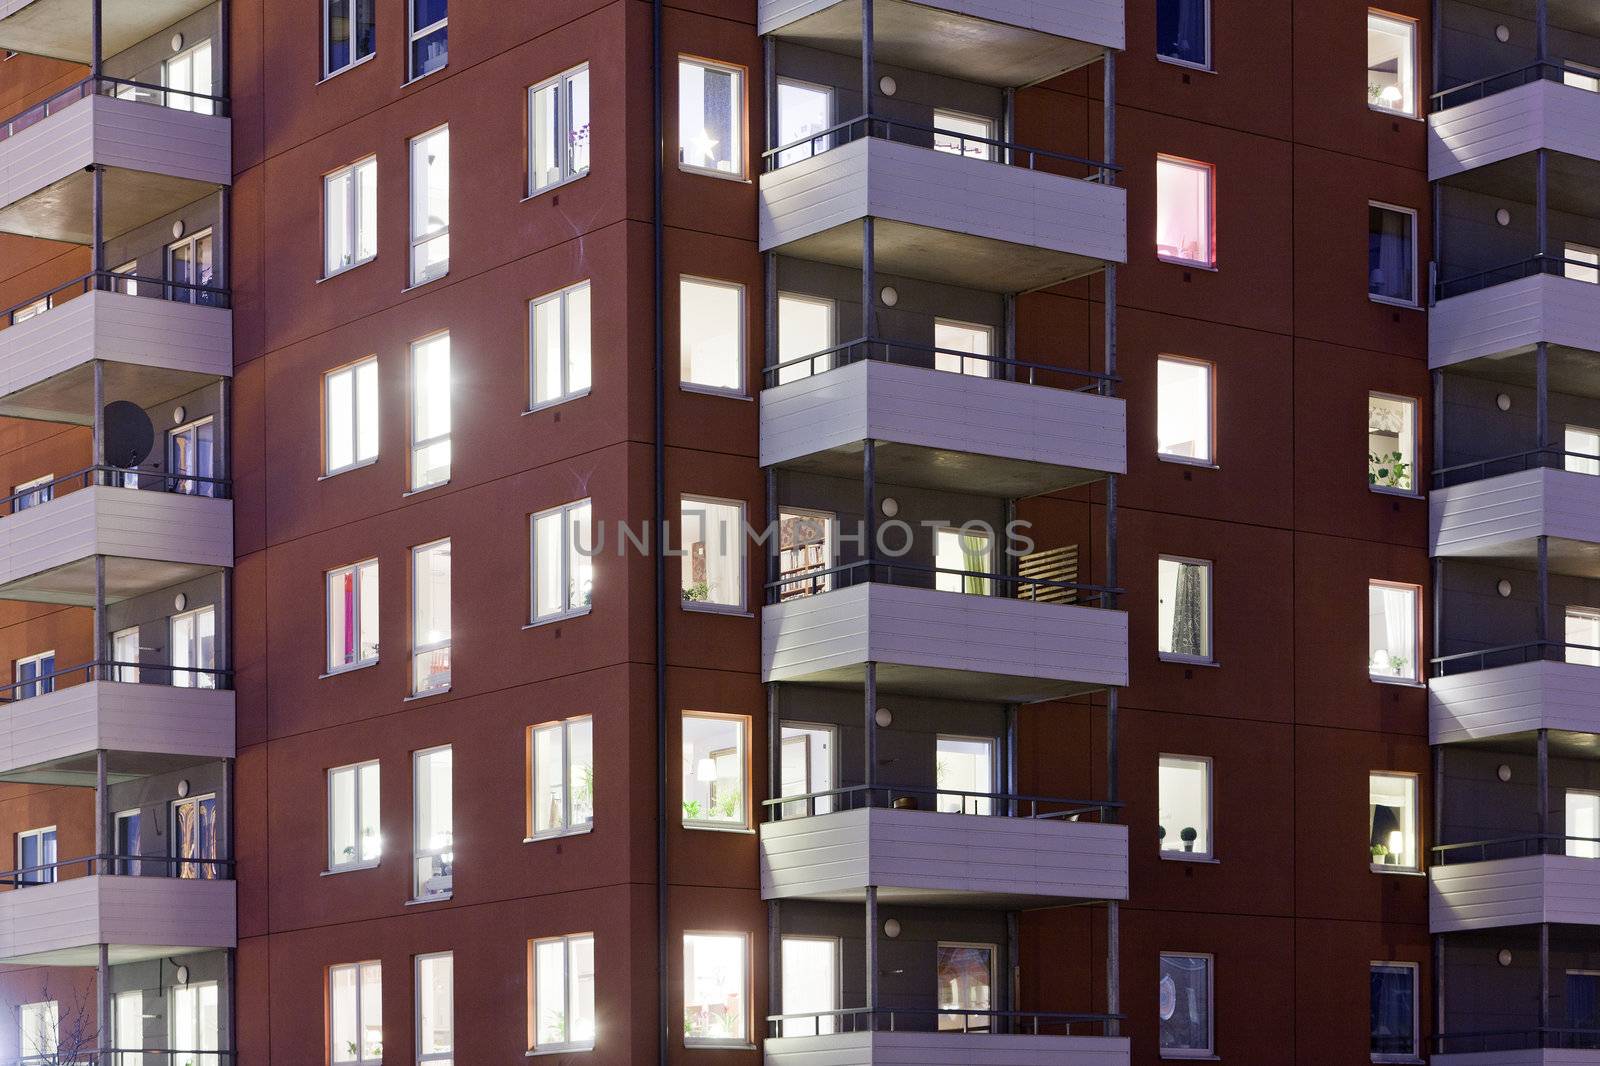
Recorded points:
(128,842)
(966,982)
(36,856)
(961,765)
(125,654)
(194,649)
(808,753)
(188,75)
(127,1027)
(190,265)
(804,110)
(1582,443)
(1583,636)
(810,984)
(191,454)
(1583,824)
(961,557)
(194,837)
(963,348)
(195,1027)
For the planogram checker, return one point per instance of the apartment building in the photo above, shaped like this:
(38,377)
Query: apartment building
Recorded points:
(966,436)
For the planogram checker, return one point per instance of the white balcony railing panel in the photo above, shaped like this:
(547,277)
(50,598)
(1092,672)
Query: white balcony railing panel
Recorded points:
(1508,700)
(945,1049)
(1541,114)
(1526,890)
(1499,516)
(1513,317)
(81,719)
(140,917)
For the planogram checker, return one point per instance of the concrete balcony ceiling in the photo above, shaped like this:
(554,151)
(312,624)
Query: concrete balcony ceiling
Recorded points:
(156,160)
(945,1049)
(63,923)
(995,42)
(60,28)
(943,217)
(1501,518)
(942,430)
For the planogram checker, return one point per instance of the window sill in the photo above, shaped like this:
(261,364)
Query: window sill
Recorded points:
(565,616)
(428,695)
(1396,871)
(348,669)
(548,404)
(547,190)
(1185,64)
(712,390)
(585,831)
(717,1045)
(1184,660)
(414,286)
(1178,856)
(709,172)
(1404,494)
(363,61)
(352,868)
(560,1049)
(1199,464)
(698,607)
(1389,301)
(1392,113)
(431,899)
(1398,682)
(1189,264)
(345,270)
(346,469)
(424,77)
(1196,1057)
(426,488)
(707,827)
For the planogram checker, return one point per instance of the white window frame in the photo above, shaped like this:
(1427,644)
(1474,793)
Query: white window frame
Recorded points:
(1209,64)
(1416,418)
(361,969)
(130,271)
(1581,656)
(821,1025)
(1210,172)
(1210,853)
(1416,1013)
(426,647)
(447,1057)
(205,867)
(1581,262)
(802,148)
(958,1020)
(987,124)
(47,1015)
(415,33)
(127,674)
(568,978)
(1415,677)
(32,310)
(328,70)
(419,852)
(192,242)
(815,363)
(192,674)
(741,93)
(127,1020)
(190,99)
(1210,657)
(567,828)
(38,491)
(741,329)
(1411,213)
(1209,1051)
(562,83)
(796,583)
(357,816)
(352,213)
(562,298)
(1576,461)
(38,877)
(127,865)
(420,241)
(1413,32)
(420,444)
(568,551)
(42,686)
(357,422)
(1209,461)
(742,606)
(742,1039)
(1414,829)
(364,571)
(742,753)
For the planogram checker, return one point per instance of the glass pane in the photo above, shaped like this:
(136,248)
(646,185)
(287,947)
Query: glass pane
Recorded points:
(1393,1010)
(713,770)
(1583,824)
(803,112)
(366,418)
(1582,263)
(580,559)
(957,342)
(963,765)
(1583,637)
(1183,624)
(436,1005)
(367,644)
(371,840)
(710,118)
(338,35)
(544,136)
(430,407)
(1391,443)
(367,211)
(1184,799)
(371,1012)
(338,195)
(341,618)
(1183,211)
(711,334)
(550,992)
(341,419)
(1392,820)
(430,204)
(805,326)
(1391,254)
(713,562)
(343,1017)
(549,780)
(810,983)
(1581,443)
(342,816)
(1182,30)
(578,122)
(806,767)
(714,987)
(580,990)
(955,129)
(549,559)
(1392,631)
(1183,409)
(430,52)
(434,841)
(1185,1003)
(1391,64)
(965,976)
(1583,1000)
(578,339)
(580,769)
(548,356)
(962,556)
(431,617)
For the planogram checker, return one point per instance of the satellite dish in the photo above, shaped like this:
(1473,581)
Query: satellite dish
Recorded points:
(129,436)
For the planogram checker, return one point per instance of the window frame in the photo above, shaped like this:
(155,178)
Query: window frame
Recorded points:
(48,1012)
(328,70)
(1210,1050)
(1210,368)
(706,606)
(1210,172)
(361,969)
(568,549)
(991,151)
(810,147)
(743,1040)
(820,1025)
(1412,1055)
(37,491)
(192,674)
(356,813)
(1210,657)
(1579,654)
(352,213)
(41,685)
(419,445)
(353,369)
(562,82)
(741,333)
(1415,678)
(1415,491)
(424,648)
(744,724)
(1412,35)
(740,122)
(415,33)
(358,571)
(1209,66)
(532,780)
(1411,213)
(39,876)
(418,852)
(783,371)
(1209,855)
(418,242)
(562,299)
(446,1058)
(1415,828)
(568,978)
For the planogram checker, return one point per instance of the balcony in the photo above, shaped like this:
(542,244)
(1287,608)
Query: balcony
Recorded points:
(1505,313)
(950,216)
(159,149)
(938,428)
(1498,118)
(60,28)
(1046,855)
(1501,518)
(1514,881)
(1015,647)
(941,1048)
(994,42)
(1513,700)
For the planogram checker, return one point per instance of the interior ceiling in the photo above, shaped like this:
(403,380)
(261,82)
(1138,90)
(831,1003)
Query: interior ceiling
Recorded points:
(64,210)
(73,584)
(931,39)
(946,469)
(69,396)
(60,28)
(946,257)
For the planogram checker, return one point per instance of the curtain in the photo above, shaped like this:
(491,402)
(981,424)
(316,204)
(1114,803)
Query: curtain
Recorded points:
(1181,30)
(1400,626)
(1392,1011)
(975,556)
(1389,254)
(1188,612)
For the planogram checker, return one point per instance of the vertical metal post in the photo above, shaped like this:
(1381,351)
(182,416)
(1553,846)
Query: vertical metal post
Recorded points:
(872,955)
(1439,1024)
(1108,104)
(1439,462)
(869,701)
(1543,627)
(1012,989)
(769,67)
(1008,124)
(869,502)
(1541,30)
(101,651)
(98,443)
(1113,966)
(1541,400)
(1008,345)
(1544,975)
(96,37)
(102,814)
(869,284)
(1544,785)
(772,356)
(1013,806)
(1542,202)
(1436,39)
(102,997)
(869,76)
(1113,913)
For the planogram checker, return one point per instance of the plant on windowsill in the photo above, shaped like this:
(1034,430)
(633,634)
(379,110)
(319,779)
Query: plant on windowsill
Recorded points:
(1380,855)
(728,807)
(1399,665)
(1389,471)
(1189,835)
(691,810)
(699,592)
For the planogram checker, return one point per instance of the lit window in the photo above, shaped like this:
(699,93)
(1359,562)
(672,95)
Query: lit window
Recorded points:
(1183,32)
(130,272)
(350,401)
(963,774)
(346,42)
(1184,212)
(960,134)
(1580,76)
(1582,450)
(191,453)
(961,557)
(430,617)
(1582,263)
(559,359)
(805,327)
(195,1019)
(430,412)
(1185,1006)
(1391,442)
(32,493)
(1183,788)
(1184,403)
(558,130)
(34,675)
(125,655)
(714,785)
(195,836)
(40,1027)
(1583,823)
(804,112)
(563,993)
(1394,625)
(711,334)
(710,118)
(430,206)
(127,1025)
(1392,817)
(433,826)
(806,768)
(963,348)
(1394,1012)
(561,789)
(805,552)
(1583,636)
(430,36)
(36,856)
(1391,63)
(355,1008)
(191,269)
(350,216)
(436,1008)
(713,561)
(194,648)
(563,562)
(1183,620)
(810,985)
(353,616)
(714,988)
(1392,254)
(353,838)
(966,982)
(188,76)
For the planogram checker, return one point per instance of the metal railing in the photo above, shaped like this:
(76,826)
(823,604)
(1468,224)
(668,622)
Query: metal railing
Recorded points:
(970,145)
(919,575)
(1534,458)
(1465,662)
(1505,81)
(979,804)
(123,672)
(923,1020)
(929,356)
(1534,1038)
(122,88)
(1540,263)
(1513,847)
(124,1056)
(139,285)
(170,867)
(180,484)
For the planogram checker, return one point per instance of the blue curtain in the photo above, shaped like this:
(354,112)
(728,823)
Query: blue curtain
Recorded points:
(1181,30)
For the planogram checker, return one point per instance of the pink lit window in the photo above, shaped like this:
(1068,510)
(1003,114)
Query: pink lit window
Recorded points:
(1184,212)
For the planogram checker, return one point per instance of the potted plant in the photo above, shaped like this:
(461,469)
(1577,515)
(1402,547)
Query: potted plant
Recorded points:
(1380,855)
(1189,835)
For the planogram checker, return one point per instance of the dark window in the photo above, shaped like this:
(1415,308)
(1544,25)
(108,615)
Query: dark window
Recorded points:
(1391,254)
(1183,31)
(1394,991)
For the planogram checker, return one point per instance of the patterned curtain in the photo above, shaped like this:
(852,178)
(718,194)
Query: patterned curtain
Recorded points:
(1188,613)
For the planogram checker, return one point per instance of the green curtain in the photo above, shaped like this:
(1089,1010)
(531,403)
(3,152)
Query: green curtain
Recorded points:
(975,556)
